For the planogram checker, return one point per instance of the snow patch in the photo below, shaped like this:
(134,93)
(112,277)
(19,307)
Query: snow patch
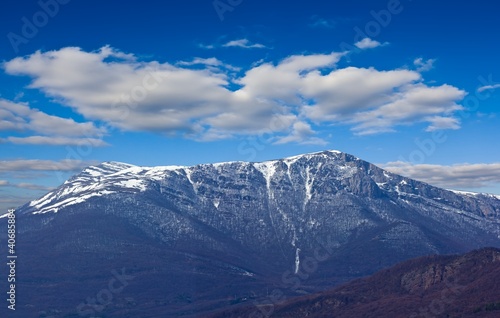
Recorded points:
(42,200)
(312,223)
(297,260)
(469,193)
(93,172)
(308,184)
(268,169)
(219,164)
(387,175)
(293,159)
(70,201)
(133,184)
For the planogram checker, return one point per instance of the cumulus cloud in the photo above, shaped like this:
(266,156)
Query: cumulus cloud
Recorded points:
(440,123)
(284,81)
(424,65)
(459,176)
(368,43)
(204,99)
(376,101)
(54,130)
(244,43)
(129,95)
(301,133)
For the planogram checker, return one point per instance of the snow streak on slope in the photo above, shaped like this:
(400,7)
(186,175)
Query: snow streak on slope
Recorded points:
(268,169)
(297,260)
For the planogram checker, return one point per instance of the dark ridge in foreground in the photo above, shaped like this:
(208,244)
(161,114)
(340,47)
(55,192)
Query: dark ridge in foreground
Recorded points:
(465,285)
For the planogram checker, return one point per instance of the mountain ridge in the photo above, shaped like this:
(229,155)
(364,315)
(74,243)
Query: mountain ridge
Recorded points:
(155,172)
(213,235)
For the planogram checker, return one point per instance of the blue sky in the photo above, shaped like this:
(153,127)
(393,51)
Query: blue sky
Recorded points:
(410,85)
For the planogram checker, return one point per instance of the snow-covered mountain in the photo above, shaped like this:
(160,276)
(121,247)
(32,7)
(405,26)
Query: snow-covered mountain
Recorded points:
(253,226)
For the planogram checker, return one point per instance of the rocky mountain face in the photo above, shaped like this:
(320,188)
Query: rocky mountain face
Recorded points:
(199,238)
(430,286)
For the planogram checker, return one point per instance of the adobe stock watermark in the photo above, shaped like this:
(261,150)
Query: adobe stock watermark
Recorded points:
(293,280)
(95,305)
(12,258)
(31,26)
(426,147)
(221,7)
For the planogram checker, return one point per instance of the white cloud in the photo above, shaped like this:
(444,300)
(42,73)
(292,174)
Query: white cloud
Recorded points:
(376,101)
(368,43)
(27,186)
(212,63)
(43,165)
(345,91)
(244,43)
(488,87)
(440,123)
(459,176)
(284,81)
(56,141)
(302,133)
(21,118)
(129,95)
(424,66)
(198,60)
(202,102)
(31,186)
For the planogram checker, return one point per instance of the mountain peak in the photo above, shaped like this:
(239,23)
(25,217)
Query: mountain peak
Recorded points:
(322,152)
(325,153)
(311,175)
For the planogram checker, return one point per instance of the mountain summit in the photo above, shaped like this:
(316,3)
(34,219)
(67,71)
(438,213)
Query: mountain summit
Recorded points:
(212,235)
